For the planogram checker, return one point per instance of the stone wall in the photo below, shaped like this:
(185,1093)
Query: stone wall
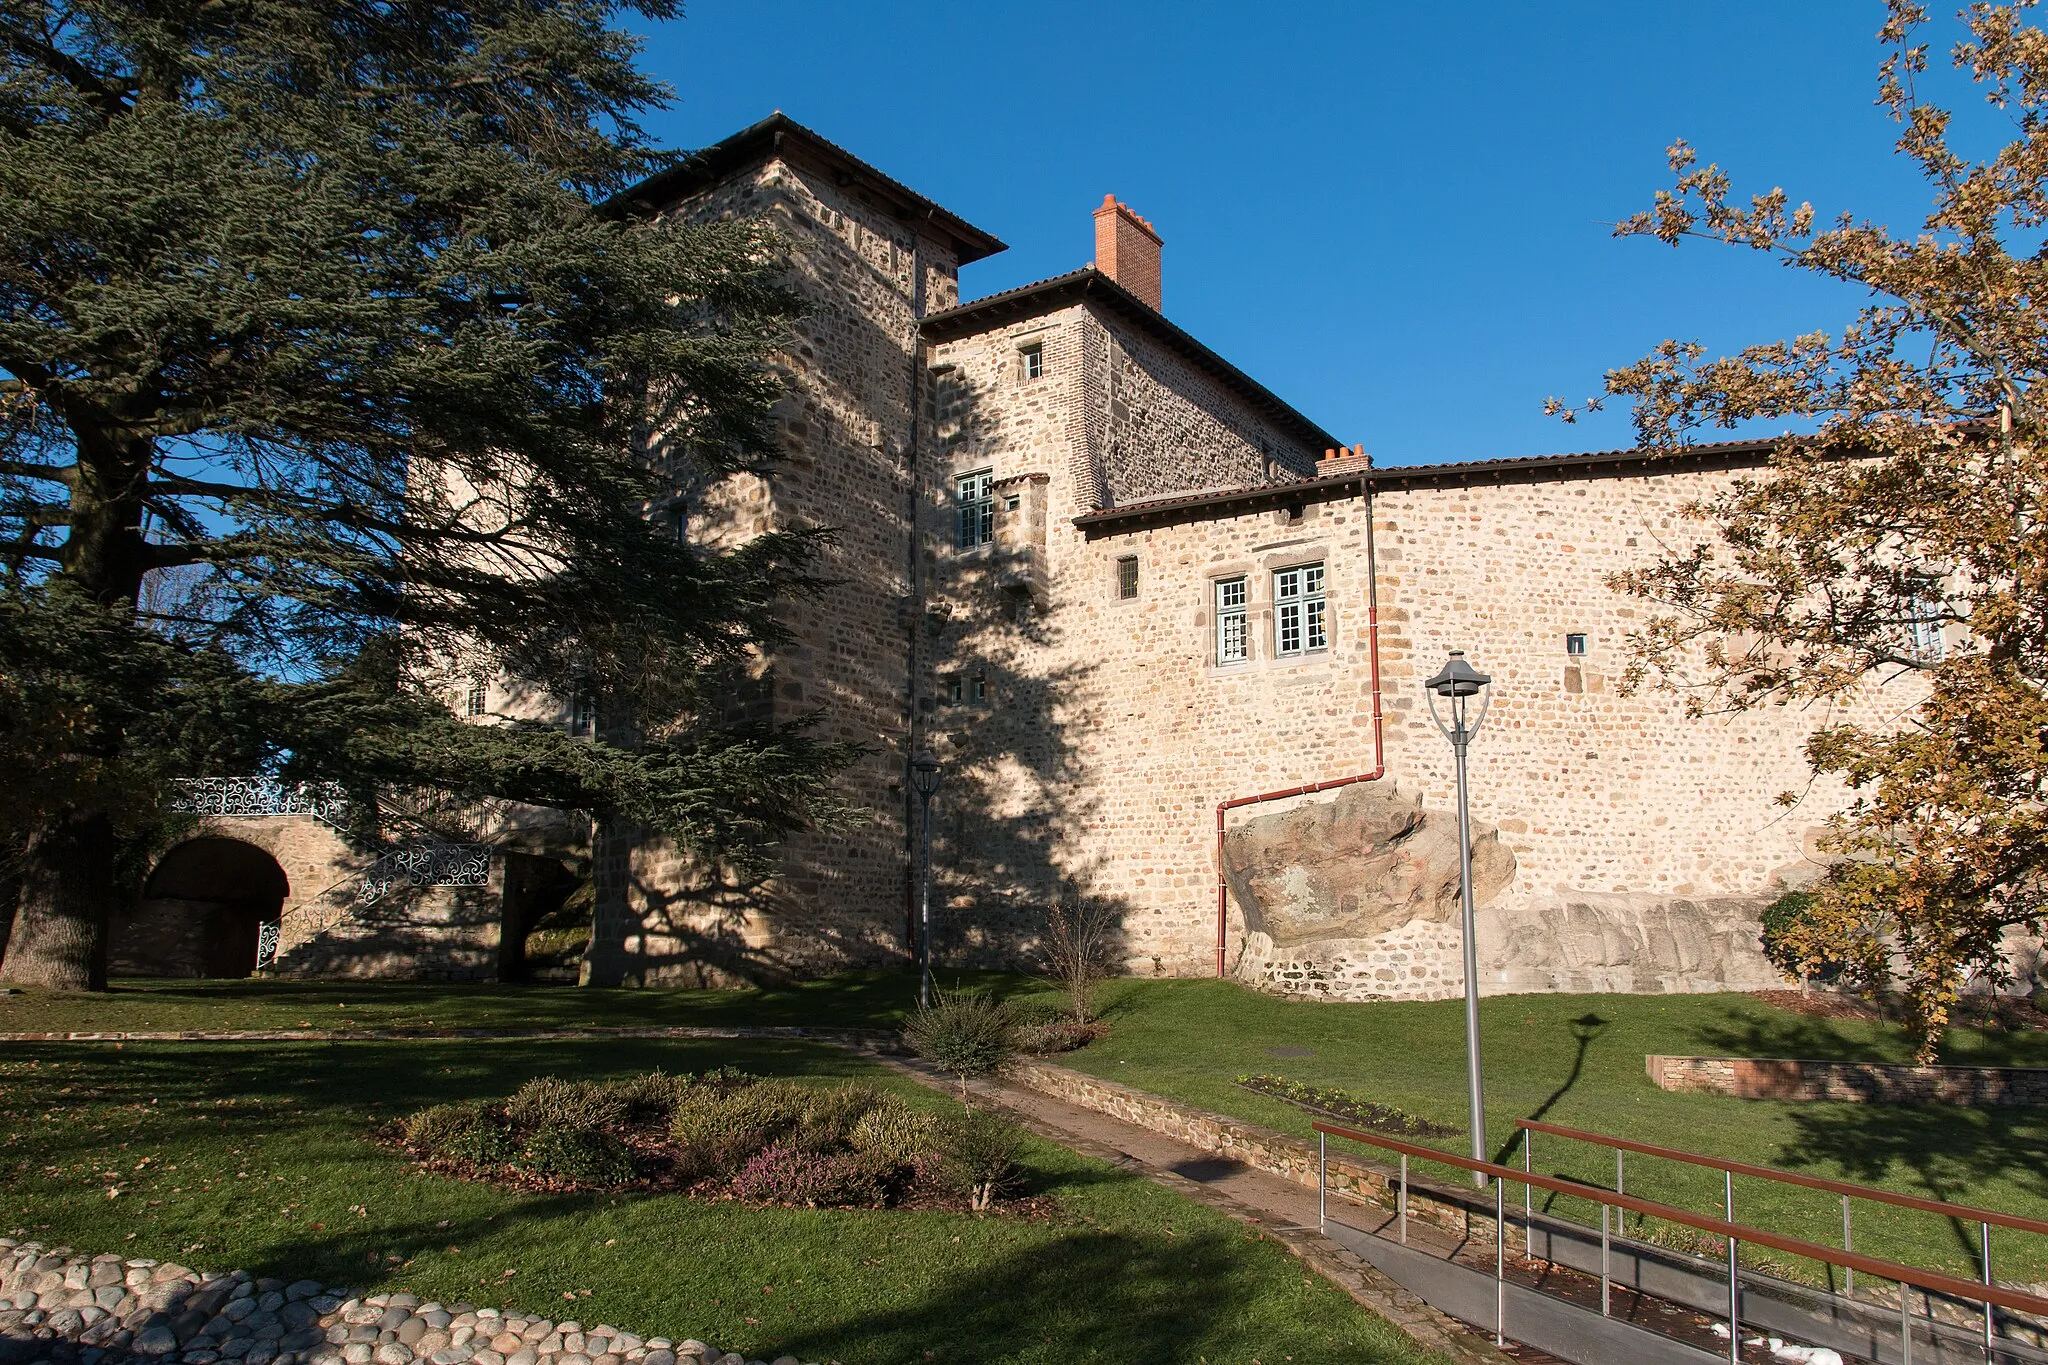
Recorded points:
(1643,843)
(848,460)
(1773,1078)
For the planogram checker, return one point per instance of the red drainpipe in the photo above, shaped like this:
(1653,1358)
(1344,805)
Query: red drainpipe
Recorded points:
(1379,744)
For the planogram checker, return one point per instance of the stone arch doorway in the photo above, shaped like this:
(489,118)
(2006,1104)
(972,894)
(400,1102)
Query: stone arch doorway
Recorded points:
(201,912)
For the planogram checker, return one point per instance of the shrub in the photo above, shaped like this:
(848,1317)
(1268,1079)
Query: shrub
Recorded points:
(894,1132)
(965,1036)
(1039,1039)
(1079,949)
(832,1114)
(580,1156)
(651,1095)
(551,1102)
(788,1175)
(719,1128)
(979,1154)
(467,1133)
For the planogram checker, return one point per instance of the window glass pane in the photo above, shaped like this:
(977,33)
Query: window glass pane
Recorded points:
(1300,621)
(977,509)
(1127,578)
(1233,639)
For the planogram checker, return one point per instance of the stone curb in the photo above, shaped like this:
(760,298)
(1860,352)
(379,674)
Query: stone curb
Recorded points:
(880,1040)
(100,1310)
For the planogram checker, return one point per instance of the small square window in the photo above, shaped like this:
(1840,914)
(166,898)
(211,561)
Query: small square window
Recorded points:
(1031,361)
(1011,502)
(1575,645)
(477,702)
(1127,577)
(980,689)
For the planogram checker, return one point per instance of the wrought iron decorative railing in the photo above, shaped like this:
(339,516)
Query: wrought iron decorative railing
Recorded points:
(255,796)
(425,863)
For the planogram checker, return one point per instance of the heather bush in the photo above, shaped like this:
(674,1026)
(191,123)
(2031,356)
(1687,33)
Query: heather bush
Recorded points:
(579,1156)
(790,1175)
(1061,1035)
(467,1133)
(651,1096)
(892,1131)
(551,1102)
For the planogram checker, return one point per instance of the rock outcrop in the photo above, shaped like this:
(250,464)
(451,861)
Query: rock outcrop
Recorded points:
(1358,866)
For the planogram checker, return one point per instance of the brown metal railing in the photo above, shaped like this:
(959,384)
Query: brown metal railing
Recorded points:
(1985,1219)
(1734,1234)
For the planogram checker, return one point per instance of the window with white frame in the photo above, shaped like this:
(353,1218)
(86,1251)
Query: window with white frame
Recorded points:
(477,701)
(1031,361)
(975,494)
(1233,634)
(1300,620)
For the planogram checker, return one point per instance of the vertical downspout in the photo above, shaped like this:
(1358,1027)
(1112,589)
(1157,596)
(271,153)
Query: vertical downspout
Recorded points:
(913,722)
(1379,742)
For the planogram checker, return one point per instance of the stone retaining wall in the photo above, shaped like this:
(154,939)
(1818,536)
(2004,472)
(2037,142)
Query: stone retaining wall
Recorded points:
(58,1306)
(1771,1078)
(1262,1148)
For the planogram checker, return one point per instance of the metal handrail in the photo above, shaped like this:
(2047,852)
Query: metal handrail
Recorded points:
(1811,1182)
(1933,1281)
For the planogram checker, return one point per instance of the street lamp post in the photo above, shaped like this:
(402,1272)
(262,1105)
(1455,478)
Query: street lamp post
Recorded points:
(1457,684)
(924,778)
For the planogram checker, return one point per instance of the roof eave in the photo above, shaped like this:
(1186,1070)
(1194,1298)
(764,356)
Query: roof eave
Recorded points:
(1093,285)
(771,137)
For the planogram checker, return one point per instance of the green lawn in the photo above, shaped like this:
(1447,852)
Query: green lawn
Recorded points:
(224,1155)
(1575,1060)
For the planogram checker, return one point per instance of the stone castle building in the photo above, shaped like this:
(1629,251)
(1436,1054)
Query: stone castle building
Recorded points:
(1167,636)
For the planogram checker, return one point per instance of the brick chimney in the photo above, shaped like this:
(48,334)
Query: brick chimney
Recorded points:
(1341,461)
(1127,249)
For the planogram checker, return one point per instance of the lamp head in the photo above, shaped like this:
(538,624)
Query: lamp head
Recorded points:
(924,773)
(1457,678)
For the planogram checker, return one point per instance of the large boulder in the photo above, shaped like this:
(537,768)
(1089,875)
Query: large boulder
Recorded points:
(1369,861)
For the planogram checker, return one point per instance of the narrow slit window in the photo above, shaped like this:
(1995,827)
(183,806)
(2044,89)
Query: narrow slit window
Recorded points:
(1575,646)
(980,692)
(1127,577)
(1031,362)
(976,497)
(955,690)
(1233,637)
(1300,613)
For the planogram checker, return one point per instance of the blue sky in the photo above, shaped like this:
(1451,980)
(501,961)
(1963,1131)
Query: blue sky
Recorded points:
(1396,217)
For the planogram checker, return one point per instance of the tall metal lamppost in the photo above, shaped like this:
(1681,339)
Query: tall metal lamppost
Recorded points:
(1457,684)
(924,779)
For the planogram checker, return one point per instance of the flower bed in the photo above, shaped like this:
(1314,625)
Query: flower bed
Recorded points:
(723,1135)
(1341,1105)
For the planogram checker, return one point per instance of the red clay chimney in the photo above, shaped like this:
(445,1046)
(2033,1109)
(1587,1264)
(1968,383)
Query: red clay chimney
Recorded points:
(1127,249)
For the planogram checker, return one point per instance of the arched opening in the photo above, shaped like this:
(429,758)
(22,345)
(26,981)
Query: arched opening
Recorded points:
(201,912)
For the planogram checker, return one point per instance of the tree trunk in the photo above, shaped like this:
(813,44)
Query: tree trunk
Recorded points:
(59,938)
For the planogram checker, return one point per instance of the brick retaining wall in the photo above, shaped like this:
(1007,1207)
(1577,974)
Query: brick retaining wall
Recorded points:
(1772,1078)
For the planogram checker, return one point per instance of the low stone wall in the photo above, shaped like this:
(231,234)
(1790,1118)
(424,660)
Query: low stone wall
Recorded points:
(1262,1148)
(1770,1078)
(62,1307)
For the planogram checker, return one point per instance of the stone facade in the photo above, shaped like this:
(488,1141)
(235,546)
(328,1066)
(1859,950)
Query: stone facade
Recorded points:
(1039,498)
